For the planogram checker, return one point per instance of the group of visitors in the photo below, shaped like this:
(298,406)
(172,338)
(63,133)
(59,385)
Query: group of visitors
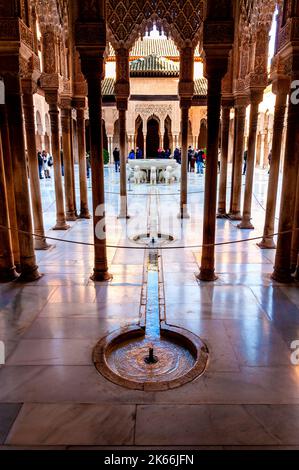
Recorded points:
(196,157)
(45,163)
(245,155)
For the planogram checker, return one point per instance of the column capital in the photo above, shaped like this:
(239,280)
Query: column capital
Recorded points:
(92,65)
(240,101)
(256,95)
(79,103)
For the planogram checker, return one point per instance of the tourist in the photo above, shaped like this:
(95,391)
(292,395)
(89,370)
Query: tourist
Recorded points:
(40,165)
(138,153)
(269,160)
(61,162)
(245,162)
(131,155)
(88,165)
(46,168)
(190,155)
(167,153)
(219,160)
(177,155)
(116,158)
(199,161)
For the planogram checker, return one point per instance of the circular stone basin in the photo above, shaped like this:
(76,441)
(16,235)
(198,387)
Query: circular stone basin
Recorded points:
(146,240)
(122,358)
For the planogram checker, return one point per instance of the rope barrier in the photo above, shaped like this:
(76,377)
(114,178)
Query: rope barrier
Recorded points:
(185,247)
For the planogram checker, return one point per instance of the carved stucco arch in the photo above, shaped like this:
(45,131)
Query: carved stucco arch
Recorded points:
(161,111)
(127,20)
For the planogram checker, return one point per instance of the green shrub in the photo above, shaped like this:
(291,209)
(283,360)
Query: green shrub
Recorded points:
(106,157)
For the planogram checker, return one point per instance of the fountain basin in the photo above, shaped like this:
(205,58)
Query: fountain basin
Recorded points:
(119,357)
(146,240)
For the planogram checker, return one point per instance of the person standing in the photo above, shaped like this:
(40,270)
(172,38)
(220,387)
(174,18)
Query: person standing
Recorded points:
(199,162)
(190,155)
(40,161)
(269,160)
(245,162)
(177,155)
(219,160)
(138,153)
(116,157)
(131,155)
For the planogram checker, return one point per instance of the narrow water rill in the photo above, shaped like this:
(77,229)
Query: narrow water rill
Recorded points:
(151,355)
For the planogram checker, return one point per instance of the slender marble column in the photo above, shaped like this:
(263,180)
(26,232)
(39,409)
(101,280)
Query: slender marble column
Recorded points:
(122,111)
(295,237)
(240,116)
(67,162)
(207,269)
(279,116)
(92,68)
(256,98)
(144,148)
(29,269)
(40,242)
(60,214)
(7,267)
(84,211)
(224,156)
(7,160)
(282,267)
(185,106)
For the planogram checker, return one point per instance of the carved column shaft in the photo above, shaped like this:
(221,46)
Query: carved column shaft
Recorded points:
(279,116)
(67,163)
(235,205)
(123,161)
(40,242)
(185,106)
(256,98)
(7,161)
(7,266)
(92,68)
(55,143)
(29,269)
(207,269)
(282,268)
(224,158)
(84,211)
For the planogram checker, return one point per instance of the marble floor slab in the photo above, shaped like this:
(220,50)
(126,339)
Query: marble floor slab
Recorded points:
(71,424)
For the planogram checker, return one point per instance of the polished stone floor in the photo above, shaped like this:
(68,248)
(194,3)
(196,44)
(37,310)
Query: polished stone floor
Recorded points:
(50,392)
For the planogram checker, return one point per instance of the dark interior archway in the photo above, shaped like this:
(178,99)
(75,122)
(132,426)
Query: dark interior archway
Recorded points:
(167,140)
(139,134)
(152,138)
(202,138)
(105,138)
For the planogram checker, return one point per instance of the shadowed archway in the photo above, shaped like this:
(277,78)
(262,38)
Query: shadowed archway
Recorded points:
(153,137)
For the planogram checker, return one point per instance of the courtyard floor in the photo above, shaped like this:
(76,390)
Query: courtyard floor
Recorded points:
(50,391)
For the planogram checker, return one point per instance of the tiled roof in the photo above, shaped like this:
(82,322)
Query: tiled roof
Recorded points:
(154,66)
(201,87)
(108,87)
(160,47)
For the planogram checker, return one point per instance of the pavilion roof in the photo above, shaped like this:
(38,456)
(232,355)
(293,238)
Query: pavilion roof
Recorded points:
(154,66)
(161,47)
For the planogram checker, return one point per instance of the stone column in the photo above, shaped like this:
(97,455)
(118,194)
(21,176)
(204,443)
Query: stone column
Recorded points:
(110,144)
(122,93)
(29,269)
(144,148)
(282,267)
(185,106)
(7,266)
(207,269)
(84,211)
(92,68)
(224,157)
(240,116)
(255,98)
(28,88)
(295,237)
(281,88)
(55,143)
(65,111)
(7,161)
(122,110)
(186,90)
